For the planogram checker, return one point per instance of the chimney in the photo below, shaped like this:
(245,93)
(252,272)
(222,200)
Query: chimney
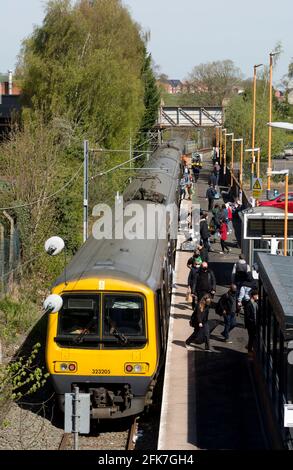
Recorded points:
(10,82)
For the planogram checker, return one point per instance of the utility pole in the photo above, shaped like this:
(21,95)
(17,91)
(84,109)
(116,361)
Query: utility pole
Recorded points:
(85,188)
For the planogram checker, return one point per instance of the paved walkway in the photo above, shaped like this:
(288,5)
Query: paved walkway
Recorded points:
(209,399)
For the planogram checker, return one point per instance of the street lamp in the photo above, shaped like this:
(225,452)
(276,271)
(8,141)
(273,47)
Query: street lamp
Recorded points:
(286,173)
(255,149)
(254,109)
(241,160)
(221,144)
(218,140)
(289,127)
(272,54)
(225,144)
(231,134)
(281,125)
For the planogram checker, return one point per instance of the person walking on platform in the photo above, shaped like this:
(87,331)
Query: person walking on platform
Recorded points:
(239,272)
(227,305)
(217,169)
(230,217)
(210,195)
(223,237)
(194,258)
(199,321)
(246,288)
(212,180)
(204,253)
(250,315)
(192,278)
(204,230)
(203,282)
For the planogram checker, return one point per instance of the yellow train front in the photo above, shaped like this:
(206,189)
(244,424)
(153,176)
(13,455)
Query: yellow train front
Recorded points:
(110,336)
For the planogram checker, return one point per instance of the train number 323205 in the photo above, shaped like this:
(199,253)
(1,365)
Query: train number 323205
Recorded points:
(101,371)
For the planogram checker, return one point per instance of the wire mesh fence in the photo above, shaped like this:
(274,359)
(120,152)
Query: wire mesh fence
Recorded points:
(9,257)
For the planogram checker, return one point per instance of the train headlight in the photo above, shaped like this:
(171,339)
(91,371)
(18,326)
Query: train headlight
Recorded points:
(136,368)
(65,367)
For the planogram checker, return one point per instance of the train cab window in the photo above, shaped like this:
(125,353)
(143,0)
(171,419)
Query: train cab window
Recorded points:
(79,315)
(123,318)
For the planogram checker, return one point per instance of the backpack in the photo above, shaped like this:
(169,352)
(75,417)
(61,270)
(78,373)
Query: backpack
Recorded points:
(220,305)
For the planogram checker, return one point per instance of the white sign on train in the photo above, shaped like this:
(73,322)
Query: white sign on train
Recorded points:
(133,221)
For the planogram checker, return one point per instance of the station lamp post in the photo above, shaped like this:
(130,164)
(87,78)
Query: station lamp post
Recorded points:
(286,173)
(224,153)
(272,54)
(218,140)
(254,108)
(221,144)
(231,134)
(288,126)
(241,161)
(255,149)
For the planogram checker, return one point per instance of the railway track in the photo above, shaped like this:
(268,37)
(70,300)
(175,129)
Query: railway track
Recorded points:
(109,440)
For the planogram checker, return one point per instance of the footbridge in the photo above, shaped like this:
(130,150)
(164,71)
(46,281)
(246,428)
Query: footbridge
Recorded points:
(190,116)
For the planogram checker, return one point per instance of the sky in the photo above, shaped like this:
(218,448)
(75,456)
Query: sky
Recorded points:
(183,33)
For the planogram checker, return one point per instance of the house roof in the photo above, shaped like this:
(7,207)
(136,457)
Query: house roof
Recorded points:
(174,83)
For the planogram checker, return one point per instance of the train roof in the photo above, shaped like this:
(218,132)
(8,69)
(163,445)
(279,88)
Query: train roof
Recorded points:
(265,212)
(137,260)
(276,273)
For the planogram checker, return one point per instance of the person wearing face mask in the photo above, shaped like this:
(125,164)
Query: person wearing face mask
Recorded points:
(196,263)
(199,321)
(250,314)
(204,282)
(195,257)
(229,305)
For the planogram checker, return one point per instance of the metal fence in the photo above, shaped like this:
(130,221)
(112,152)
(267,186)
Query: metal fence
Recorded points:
(9,255)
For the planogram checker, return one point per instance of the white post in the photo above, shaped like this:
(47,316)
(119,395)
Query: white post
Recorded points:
(75,417)
(10,82)
(85,189)
(130,153)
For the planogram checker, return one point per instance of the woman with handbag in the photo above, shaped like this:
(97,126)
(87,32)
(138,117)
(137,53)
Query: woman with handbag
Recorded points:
(199,321)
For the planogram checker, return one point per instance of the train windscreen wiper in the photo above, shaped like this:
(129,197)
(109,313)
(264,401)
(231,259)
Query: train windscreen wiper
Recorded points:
(86,331)
(118,335)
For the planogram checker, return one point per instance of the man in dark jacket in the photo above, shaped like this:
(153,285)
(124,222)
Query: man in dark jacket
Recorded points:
(195,268)
(250,313)
(240,272)
(228,303)
(212,180)
(210,195)
(202,282)
(204,230)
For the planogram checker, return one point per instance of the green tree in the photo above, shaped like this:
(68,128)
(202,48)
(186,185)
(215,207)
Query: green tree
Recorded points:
(84,64)
(214,81)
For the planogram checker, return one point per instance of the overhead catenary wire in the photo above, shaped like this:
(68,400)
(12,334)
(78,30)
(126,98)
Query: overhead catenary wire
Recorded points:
(102,173)
(37,201)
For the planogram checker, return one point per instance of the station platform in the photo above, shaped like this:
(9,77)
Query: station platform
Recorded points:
(209,398)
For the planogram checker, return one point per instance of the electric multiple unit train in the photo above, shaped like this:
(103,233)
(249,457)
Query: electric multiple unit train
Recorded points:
(110,336)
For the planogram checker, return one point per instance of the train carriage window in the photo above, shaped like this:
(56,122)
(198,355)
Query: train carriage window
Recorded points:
(79,314)
(123,315)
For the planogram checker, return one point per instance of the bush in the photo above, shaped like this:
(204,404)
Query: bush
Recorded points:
(19,379)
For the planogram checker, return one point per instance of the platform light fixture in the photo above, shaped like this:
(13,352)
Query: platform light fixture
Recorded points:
(231,134)
(272,54)
(255,149)
(286,173)
(241,160)
(288,126)
(255,67)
